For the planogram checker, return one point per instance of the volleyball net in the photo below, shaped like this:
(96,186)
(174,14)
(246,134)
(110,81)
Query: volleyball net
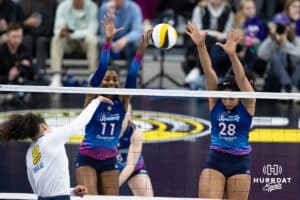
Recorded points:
(176,135)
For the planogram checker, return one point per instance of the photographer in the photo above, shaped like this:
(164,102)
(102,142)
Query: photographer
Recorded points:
(282,52)
(15,64)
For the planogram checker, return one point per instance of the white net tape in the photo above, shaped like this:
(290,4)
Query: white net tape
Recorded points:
(149,92)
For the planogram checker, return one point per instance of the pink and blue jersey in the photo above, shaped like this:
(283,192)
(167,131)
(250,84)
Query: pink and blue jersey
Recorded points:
(103,131)
(230,129)
(123,150)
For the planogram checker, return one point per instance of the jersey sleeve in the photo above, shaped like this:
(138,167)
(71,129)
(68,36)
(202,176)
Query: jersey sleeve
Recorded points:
(62,134)
(72,192)
(133,71)
(30,179)
(98,76)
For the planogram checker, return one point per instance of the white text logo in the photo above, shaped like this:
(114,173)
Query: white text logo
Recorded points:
(273,179)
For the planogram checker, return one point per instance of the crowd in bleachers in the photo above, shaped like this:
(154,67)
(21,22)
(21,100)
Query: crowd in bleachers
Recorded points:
(267,33)
(31,31)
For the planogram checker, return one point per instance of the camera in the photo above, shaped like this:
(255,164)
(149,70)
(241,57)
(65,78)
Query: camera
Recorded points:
(25,74)
(70,30)
(280,29)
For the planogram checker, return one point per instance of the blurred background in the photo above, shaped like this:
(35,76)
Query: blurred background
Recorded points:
(57,43)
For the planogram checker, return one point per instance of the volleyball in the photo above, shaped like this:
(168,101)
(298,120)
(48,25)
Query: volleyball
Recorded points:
(164,36)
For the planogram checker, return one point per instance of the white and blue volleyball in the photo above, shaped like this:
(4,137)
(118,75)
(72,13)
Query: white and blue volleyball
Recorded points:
(164,36)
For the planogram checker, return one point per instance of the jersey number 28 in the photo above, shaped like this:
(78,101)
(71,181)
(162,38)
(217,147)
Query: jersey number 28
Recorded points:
(227,129)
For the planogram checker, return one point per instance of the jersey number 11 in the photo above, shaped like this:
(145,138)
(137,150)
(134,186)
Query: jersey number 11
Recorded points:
(112,125)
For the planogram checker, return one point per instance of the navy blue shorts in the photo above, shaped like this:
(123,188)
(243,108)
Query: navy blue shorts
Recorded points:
(136,172)
(100,166)
(61,197)
(228,164)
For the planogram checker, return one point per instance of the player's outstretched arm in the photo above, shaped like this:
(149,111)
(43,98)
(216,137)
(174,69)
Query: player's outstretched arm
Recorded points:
(62,134)
(198,37)
(229,47)
(110,32)
(242,81)
(137,60)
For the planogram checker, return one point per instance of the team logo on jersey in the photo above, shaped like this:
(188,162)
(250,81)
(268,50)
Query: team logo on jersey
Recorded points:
(225,117)
(107,117)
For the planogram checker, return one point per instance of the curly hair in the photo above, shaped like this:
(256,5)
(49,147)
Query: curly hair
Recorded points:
(19,127)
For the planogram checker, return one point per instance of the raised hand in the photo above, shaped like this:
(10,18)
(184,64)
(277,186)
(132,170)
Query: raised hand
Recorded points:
(197,36)
(103,99)
(109,26)
(232,40)
(145,40)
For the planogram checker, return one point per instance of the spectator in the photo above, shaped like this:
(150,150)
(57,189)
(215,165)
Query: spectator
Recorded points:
(16,67)
(75,28)
(282,51)
(254,30)
(292,10)
(127,15)
(38,28)
(265,8)
(253,26)
(216,17)
(9,12)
